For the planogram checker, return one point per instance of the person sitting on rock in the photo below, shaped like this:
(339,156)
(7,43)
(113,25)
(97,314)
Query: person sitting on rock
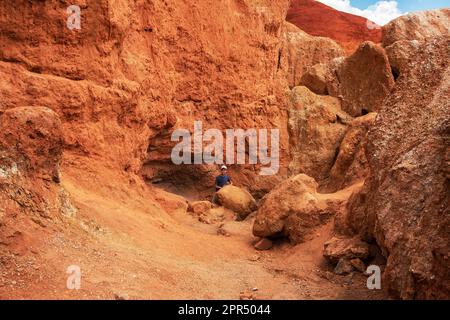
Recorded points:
(221,181)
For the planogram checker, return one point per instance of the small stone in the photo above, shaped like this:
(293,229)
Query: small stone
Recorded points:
(263,244)
(347,248)
(199,207)
(120,296)
(343,267)
(246,296)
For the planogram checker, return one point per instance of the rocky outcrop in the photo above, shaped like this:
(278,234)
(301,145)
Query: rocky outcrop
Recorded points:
(238,200)
(417,26)
(321,20)
(317,126)
(402,36)
(361,81)
(294,209)
(404,204)
(301,51)
(31,143)
(115,90)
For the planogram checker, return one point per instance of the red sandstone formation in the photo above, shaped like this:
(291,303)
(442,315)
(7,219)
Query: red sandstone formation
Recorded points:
(86,177)
(321,20)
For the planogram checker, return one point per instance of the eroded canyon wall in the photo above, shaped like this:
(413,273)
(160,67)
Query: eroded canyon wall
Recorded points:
(404,204)
(136,70)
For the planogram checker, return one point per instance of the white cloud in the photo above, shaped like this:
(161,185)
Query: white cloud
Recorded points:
(381,12)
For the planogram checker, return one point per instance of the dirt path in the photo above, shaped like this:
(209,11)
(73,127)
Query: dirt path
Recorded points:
(123,248)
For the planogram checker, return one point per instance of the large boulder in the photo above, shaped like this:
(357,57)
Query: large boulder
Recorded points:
(31,142)
(404,204)
(238,200)
(294,209)
(403,36)
(361,81)
(317,126)
(365,80)
(417,26)
(301,51)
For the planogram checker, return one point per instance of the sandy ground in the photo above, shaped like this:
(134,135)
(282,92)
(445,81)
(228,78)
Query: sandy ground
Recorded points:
(125,247)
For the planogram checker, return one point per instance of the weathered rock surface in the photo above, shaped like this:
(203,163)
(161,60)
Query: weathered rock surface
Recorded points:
(31,141)
(301,51)
(358,264)
(365,80)
(315,79)
(361,81)
(343,267)
(345,248)
(404,205)
(294,209)
(351,165)
(399,55)
(137,71)
(321,20)
(417,26)
(403,36)
(322,78)
(262,185)
(238,200)
(317,126)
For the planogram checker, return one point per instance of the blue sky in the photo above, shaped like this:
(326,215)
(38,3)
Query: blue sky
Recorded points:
(383,11)
(407,5)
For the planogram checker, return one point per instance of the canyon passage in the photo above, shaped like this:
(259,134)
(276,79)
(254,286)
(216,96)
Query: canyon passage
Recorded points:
(353,202)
